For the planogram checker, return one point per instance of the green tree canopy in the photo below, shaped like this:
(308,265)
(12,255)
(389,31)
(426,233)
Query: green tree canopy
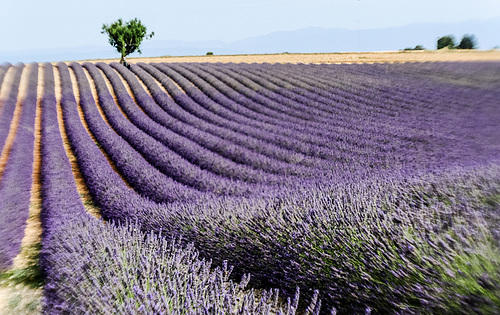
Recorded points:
(126,37)
(446,41)
(467,42)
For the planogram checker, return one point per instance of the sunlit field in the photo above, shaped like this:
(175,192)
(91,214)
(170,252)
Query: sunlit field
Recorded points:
(177,187)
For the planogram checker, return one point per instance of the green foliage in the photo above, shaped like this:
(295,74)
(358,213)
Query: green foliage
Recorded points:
(126,37)
(446,41)
(210,53)
(30,276)
(467,42)
(418,47)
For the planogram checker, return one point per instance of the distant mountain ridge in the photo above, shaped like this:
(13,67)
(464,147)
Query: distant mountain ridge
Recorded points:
(308,40)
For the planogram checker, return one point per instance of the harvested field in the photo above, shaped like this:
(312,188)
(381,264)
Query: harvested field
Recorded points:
(320,58)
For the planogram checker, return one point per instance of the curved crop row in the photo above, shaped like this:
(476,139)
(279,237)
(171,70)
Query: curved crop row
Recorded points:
(350,104)
(142,273)
(277,84)
(156,153)
(206,109)
(414,132)
(9,105)
(219,92)
(109,192)
(262,85)
(212,137)
(262,109)
(15,184)
(3,71)
(405,222)
(387,133)
(140,174)
(246,135)
(316,141)
(326,141)
(175,138)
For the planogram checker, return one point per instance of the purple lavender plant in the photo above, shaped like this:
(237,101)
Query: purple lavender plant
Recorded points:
(15,183)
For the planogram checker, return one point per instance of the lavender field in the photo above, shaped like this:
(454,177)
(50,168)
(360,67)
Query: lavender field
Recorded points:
(233,188)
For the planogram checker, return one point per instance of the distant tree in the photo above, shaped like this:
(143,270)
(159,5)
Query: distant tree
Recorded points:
(467,42)
(446,41)
(126,37)
(418,47)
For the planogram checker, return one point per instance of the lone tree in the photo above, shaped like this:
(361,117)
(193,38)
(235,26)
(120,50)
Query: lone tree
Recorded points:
(446,41)
(126,37)
(467,42)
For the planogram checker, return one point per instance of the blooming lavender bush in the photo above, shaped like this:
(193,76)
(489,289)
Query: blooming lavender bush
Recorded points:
(9,105)
(15,183)
(92,267)
(366,188)
(174,134)
(4,67)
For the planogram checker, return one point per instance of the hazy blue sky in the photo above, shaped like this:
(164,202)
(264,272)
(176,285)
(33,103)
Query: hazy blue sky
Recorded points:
(29,24)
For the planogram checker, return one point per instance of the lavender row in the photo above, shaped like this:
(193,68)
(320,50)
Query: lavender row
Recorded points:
(109,192)
(4,67)
(379,252)
(482,75)
(436,116)
(365,90)
(383,243)
(388,133)
(358,149)
(289,143)
(269,112)
(350,133)
(178,142)
(279,83)
(265,93)
(463,109)
(437,82)
(256,140)
(197,108)
(213,112)
(140,174)
(165,160)
(330,105)
(414,130)
(317,137)
(221,91)
(353,84)
(379,90)
(15,183)
(92,267)
(210,136)
(9,105)
(200,178)
(331,89)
